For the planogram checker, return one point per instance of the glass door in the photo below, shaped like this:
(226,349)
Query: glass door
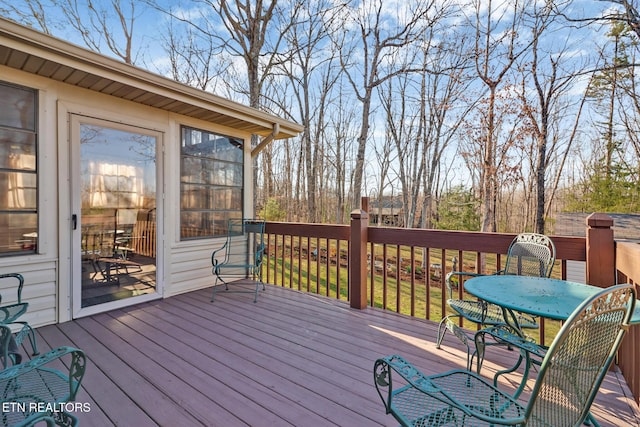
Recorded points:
(115,215)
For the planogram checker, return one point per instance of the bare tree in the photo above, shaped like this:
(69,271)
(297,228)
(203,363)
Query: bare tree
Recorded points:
(369,36)
(340,134)
(194,58)
(312,73)
(544,68)
(31,13)
(498,44)
(445,102)
(95,23)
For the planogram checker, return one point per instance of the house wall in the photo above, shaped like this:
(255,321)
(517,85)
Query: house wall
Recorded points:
(182,266)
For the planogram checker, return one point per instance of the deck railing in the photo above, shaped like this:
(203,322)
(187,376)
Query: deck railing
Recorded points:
(628,271)
(403,269)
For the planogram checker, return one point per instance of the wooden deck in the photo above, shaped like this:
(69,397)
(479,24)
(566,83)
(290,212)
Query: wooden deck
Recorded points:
(292,359)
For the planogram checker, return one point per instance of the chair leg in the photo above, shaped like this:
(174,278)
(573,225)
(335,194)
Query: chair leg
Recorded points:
(215,286)
(28,331)
(442,330)
(447,324)
(32,340)
(480,346)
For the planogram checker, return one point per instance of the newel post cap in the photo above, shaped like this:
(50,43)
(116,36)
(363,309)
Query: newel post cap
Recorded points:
(599,220)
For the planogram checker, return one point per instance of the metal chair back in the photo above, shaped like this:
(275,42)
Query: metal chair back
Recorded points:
(577,361)
(530,254)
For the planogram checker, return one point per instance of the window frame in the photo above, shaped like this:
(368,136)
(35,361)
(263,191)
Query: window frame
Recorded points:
(232,183)
(28,245)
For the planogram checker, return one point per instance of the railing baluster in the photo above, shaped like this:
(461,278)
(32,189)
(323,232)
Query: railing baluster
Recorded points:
(426,269)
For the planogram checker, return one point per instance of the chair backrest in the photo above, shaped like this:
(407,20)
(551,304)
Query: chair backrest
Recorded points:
(579,357)
(253,231)
(530,254)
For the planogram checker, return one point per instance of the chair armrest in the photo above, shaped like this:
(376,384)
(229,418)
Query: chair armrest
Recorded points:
(450,275)
(76,368)
(384,368)
(383,377)
(214,257)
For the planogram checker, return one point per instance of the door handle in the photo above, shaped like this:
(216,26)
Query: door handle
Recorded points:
(74,221)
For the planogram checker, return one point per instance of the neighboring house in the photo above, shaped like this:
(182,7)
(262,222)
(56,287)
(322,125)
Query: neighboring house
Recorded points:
(388,211)
(115,183)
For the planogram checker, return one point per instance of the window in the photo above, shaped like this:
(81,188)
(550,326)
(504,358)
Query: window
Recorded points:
(211,180)
(18,170)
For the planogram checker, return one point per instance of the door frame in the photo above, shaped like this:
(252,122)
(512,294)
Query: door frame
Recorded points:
(74,122)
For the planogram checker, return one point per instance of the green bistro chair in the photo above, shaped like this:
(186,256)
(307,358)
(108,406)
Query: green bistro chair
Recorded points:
(570,375)
(240,256)
(529,254)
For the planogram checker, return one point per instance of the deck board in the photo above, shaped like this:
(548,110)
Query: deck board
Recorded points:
(292,359)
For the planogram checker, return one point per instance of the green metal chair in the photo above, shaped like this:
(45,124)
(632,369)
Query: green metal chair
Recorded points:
(35,391)
(529,254)
(12,312)
(240,256)
(570,375)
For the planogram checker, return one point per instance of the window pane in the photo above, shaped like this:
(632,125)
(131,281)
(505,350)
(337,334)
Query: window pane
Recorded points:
(17,107)
(20,192)
(191,170)
(17,150)
(18,232)
(211,183)
(197,197)
(228,149)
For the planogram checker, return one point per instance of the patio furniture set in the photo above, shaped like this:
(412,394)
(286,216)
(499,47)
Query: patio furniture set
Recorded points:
(570,370)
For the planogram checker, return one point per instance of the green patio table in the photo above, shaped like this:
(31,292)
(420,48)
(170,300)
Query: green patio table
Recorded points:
(538,296)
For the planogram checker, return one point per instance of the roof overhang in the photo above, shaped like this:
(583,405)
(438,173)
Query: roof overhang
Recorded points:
(31,51)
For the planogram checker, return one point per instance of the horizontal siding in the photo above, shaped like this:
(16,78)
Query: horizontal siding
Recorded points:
(39,291)
(577,271)
(190,267)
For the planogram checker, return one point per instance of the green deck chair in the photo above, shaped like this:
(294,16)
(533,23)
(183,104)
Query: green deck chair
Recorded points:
(30,391)
(529,254)
(11,313)
(569,378)
(240,256)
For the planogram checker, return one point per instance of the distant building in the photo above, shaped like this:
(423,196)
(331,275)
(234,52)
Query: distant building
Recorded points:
(389,212)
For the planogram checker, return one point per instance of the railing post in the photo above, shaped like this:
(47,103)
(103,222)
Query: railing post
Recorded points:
(358,259)
(601,267)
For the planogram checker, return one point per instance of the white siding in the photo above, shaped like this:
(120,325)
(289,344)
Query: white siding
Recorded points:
(190,267)
(39,290)
(577,271)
